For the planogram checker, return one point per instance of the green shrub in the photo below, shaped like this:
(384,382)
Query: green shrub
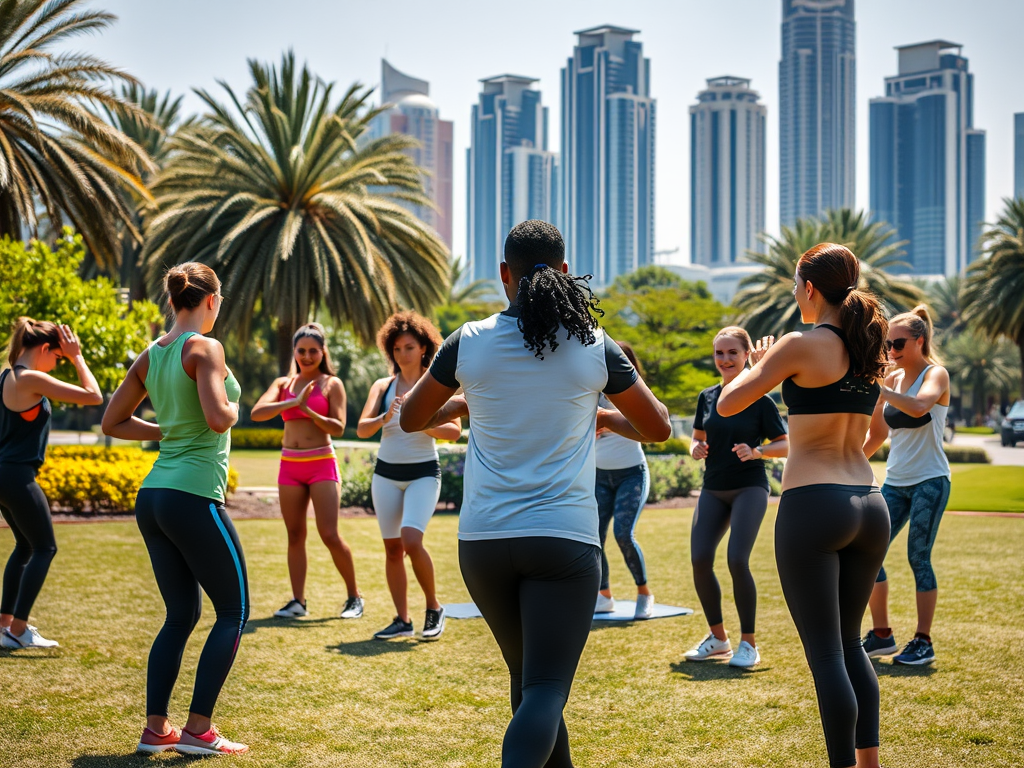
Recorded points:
(955,454)
(975,431)
(672,476)
(256,438)
(674,445)
(453,467)
(356,470)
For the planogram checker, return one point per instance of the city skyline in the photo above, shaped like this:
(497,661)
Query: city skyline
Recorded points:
(453,50)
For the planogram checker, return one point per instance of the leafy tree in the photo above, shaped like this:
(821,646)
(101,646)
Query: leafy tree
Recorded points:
(945,298)
(765,300)
(671,328)
(981,365)
(277,192)
(45,284)
(994,292)
(56,155)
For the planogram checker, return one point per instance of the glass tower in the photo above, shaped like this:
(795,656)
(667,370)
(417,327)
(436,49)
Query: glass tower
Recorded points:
(817,78)
(927,162)
(511,175)
(1018,155)
(608,123)
(727,146)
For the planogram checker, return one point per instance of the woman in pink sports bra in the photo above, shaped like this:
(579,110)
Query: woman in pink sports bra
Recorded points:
(311,401)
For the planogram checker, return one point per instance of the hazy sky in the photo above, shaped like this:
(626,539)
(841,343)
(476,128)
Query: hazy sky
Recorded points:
(455,43)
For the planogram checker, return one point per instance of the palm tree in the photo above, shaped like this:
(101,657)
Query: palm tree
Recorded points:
(57,156)
(149,120)
(980,364)
(766,301)
(278,193)
(994,292)
(946,300)
(471,292)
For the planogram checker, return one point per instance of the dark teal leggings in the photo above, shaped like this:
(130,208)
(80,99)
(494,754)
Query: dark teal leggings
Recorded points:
(922,506)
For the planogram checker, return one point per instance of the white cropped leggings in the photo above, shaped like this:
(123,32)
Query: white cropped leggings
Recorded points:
(404,503)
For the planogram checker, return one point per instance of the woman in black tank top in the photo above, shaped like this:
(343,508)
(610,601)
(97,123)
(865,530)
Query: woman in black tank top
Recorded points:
(25,393)
(832,528)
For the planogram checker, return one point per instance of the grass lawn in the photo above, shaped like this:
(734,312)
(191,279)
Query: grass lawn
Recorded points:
(318,692)
(979,487)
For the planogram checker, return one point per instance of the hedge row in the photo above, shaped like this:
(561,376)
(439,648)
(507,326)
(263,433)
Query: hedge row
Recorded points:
(955,454)
(96,480)
(269,438)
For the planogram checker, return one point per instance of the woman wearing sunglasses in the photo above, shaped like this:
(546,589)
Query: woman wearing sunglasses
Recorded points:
(911,412)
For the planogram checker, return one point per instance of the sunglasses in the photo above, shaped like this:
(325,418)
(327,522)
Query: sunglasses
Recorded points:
(897,344)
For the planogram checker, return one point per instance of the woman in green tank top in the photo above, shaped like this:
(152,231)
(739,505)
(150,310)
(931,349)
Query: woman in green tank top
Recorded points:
(180,508)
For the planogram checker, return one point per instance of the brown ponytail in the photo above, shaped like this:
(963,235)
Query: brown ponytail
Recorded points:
(919,323)
(835,272)
(189,283)
(29,333)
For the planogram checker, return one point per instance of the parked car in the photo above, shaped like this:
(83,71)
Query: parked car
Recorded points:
(1012,428)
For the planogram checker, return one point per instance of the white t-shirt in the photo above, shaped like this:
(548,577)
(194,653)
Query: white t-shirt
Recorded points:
(530,467)
(615,451)
(398,446)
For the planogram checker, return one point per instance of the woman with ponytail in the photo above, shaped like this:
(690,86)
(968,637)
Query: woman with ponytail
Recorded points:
(528,530)
(832,528)
(36,346)
(311,401)
(912,413)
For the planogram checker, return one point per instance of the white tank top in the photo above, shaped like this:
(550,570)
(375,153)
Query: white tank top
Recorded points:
(613,451)
(398,446)
(915,444)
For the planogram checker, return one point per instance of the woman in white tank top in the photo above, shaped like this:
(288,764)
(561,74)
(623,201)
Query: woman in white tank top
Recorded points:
(912,413)
(407,477)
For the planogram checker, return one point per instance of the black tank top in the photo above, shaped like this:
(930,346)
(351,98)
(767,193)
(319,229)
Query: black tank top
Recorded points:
(23,441)
(851,394)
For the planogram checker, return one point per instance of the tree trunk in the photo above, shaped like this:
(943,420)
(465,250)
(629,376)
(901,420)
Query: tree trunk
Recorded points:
(285,331)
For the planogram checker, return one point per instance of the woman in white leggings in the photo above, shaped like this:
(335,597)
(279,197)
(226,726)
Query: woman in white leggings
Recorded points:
(407,478)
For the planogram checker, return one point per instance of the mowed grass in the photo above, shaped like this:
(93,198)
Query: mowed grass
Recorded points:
(319,692)
(979,487)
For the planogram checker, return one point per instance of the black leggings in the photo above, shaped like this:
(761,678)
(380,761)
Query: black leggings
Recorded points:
(26,510)
(537,596)
(742,510)
(830,541)
(192,544)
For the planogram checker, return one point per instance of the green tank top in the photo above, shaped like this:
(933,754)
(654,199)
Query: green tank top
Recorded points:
(193,458)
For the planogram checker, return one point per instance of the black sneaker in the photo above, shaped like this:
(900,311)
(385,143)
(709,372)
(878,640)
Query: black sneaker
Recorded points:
(879,646)
(396,628)
(917,653)
(434,624)
(353,608)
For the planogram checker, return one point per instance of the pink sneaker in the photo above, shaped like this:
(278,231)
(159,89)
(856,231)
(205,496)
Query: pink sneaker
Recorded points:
(209,743)
(152,742)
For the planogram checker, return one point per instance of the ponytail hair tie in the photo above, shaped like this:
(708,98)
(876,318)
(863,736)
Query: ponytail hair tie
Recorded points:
(850,289)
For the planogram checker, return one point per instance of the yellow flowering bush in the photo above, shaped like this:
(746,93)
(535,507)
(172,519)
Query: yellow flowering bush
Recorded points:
(99,480)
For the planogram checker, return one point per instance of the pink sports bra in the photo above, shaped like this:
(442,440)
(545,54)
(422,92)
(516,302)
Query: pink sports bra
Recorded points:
(317,403)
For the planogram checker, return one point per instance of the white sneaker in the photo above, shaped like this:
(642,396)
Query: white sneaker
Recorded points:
(746,656)
(710,648)
(30,638)
(604,604)
(644,607)
(293,609)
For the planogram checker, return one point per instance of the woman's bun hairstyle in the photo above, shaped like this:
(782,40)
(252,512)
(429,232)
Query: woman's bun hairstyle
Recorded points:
(189,283)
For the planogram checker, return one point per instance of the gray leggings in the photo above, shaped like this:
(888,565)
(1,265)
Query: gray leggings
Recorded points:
(742,510)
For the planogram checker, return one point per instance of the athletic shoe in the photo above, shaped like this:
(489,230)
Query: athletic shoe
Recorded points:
(30,638)
(434,624)
(644,607)
(353,608)
(746,656)
(396,628)
(917,653)
(209,743)
(710,648)
(152,742)
(293,609)
(879,646)
(604,604)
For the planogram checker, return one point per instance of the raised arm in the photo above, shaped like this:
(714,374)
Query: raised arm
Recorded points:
(42,384)
(778,364)
(641,415)
(334,422)
(211,371)
(429,404)
(370,421)
(878,430)
(934,386)
(269,406)
(119,418)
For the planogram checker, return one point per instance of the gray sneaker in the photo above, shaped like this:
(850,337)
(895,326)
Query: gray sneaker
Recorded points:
(353,608)
(434,624)
(644,607)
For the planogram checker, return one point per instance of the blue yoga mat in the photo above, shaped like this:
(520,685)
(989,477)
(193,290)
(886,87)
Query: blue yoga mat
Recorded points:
(624,610)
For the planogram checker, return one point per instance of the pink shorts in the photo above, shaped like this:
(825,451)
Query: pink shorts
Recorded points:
(308,466)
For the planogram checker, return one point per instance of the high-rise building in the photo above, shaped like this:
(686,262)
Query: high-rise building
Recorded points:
(817,132)
(608,123)
(511,175)
(727,146)
(1018,155)
(927,161)
(414,114)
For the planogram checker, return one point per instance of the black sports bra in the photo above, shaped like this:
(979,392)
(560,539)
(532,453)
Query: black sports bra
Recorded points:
(851,394)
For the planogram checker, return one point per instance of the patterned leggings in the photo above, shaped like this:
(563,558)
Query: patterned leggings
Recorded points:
(922,505)
(621,495)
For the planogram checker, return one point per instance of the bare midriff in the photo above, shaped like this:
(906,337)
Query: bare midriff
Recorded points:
(303,433)
(827,448)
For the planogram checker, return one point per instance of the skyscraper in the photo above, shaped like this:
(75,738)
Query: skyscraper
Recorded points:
(817,79)
(608,122)
(1018,155)
(414,114)
(511,175)
(927,161)
(727,146)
